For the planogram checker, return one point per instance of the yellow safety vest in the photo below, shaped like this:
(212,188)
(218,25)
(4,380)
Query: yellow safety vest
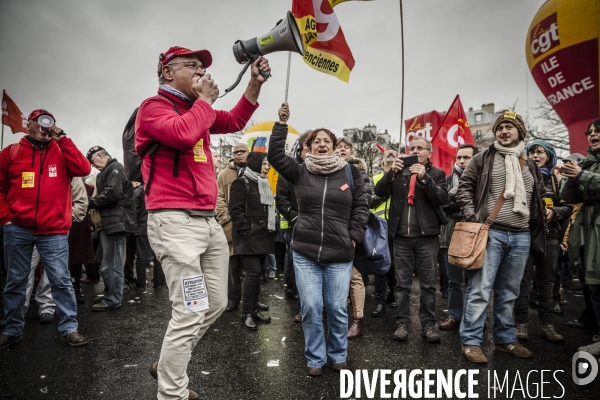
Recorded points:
(382,210)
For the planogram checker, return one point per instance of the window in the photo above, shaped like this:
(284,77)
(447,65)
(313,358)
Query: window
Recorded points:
(478,134)
(478,118)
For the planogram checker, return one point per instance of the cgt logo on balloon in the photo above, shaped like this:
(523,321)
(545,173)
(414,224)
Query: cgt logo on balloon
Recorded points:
(544,36)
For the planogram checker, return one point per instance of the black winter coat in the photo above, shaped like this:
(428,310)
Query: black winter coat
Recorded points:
(114,200)
(139,199)
(431,194)
(287,204)
(330,214)
(250,220)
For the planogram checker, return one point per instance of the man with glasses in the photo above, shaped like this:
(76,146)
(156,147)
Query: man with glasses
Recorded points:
(453,276)
(35,210)
(181,195)
(224,181)
(416,216)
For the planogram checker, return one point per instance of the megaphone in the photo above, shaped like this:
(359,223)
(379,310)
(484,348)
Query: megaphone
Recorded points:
(46,121)
(284,37)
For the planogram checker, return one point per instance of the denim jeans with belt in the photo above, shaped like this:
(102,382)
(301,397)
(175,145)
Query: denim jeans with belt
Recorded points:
(505,257)
(54,253)
(320,283)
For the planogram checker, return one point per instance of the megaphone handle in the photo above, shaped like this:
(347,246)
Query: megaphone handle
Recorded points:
(265,74)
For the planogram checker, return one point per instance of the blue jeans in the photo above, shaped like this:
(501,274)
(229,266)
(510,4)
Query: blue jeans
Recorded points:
(320,283)
(505,257)
(113,259)
(455,291)
(270,263)
(54,253)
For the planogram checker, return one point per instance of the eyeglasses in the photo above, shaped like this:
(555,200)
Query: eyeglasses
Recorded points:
(240,151)
(596,131)
(538,152)
(190,64)
(418,148)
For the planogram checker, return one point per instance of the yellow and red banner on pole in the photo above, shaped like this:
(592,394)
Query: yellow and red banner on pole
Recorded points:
(12,115)
(325,47)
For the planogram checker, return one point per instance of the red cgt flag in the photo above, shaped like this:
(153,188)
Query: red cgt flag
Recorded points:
(453,131)
(12,116)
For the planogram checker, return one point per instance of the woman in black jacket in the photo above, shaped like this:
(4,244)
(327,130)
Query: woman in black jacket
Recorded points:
(252,212)
(332,216)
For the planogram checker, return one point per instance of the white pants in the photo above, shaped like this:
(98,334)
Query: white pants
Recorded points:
(187,246)
(43,295)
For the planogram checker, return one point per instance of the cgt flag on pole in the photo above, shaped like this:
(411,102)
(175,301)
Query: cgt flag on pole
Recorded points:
(325,47)
(454,131)
(12,116)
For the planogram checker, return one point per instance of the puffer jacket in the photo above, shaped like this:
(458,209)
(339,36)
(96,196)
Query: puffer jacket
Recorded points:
(474,189)
(115,200)
(330,214)
(562,210)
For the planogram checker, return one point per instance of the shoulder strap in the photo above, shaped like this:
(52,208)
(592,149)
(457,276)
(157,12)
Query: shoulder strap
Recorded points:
(152,149)
(500,202)
(349,176)
(14,150)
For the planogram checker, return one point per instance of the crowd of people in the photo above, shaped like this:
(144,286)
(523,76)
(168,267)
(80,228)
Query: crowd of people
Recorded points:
(224,233)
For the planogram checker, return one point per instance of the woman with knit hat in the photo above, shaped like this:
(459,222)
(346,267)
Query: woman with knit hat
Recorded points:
(252,212)
(557,211)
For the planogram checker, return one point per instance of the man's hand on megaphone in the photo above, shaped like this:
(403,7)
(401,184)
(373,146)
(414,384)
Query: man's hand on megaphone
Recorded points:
(284,113)
(262,64)
(55,132)
(206,89)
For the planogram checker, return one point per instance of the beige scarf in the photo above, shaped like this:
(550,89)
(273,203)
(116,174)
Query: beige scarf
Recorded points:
(515,187)
(324,165)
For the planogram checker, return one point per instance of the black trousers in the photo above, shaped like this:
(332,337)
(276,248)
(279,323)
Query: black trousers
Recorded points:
(143,254)
(251,288)
(129,258)
(420,254)
(92,271)
(234,285)
(442,271)
(545,270)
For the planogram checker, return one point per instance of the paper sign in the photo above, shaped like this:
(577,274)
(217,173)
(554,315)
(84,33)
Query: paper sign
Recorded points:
(28,180)
(195,297)
(199,155)
(52,171)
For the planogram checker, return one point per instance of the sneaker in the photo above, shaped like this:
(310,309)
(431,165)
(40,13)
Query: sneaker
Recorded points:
(75,339)
(271,275)
(98,299)
(105,307)
(431,335)
(521,331)
(450,324)
(401,333)
(6,340)
(516,349)
(594,348)
(474,354)
(550,333)
(46,318)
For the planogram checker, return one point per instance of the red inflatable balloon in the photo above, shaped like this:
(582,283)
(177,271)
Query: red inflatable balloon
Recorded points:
(562,53)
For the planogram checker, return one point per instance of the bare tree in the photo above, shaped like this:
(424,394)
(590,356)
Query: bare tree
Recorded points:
(548,126)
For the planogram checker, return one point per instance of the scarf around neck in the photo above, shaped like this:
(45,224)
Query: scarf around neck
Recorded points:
(514,187)
(174,92)
(324,165)
(456,174)
(266,195)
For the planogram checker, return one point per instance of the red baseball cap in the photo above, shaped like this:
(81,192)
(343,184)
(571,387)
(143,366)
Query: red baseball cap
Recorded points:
(36,113)
(164,58)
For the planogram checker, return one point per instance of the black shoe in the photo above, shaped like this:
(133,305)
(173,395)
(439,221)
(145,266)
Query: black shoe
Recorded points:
(258,317)
(558,308)
(232,305)
(290,295)
(576,324)
(431,335)
(379,310)
(263,307)
(401,333)
(248,322)
(6,340)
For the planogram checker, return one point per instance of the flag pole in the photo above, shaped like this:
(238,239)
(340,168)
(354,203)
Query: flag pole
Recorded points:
(402,91)
(287,81)
(2,140)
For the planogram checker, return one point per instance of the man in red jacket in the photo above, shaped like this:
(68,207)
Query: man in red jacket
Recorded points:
(35,209)
(181,194)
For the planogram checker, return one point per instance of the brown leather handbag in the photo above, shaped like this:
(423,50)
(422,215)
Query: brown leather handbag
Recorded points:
(469,240)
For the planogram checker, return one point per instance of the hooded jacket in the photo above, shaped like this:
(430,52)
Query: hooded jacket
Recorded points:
(35,184)
(195,186)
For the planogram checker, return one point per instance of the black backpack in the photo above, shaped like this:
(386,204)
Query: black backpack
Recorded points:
(133,162)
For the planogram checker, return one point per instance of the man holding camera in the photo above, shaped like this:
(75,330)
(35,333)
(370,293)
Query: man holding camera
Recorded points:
(417,195)
(181,194)
(35,210)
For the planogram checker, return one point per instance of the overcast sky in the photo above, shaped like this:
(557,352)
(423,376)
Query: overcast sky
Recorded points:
(91,63)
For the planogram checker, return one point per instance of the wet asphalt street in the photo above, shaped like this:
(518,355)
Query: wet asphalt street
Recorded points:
(232,363)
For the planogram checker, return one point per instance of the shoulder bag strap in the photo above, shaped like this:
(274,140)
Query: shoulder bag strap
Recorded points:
(500,202)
